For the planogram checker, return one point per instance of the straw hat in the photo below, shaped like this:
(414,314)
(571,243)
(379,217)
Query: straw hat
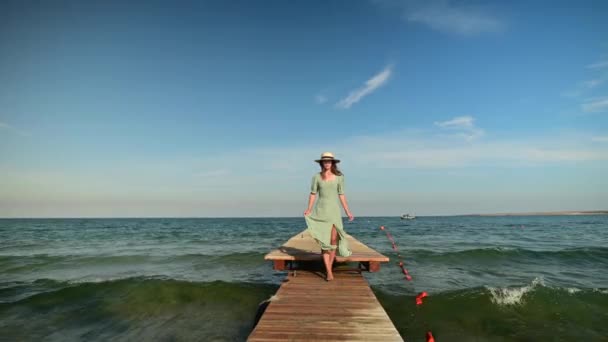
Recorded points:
(327,156)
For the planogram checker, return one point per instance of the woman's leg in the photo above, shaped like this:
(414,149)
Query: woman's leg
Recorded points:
(326,261)
(332,253)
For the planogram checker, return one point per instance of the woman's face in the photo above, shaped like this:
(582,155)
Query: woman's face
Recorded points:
(327,164)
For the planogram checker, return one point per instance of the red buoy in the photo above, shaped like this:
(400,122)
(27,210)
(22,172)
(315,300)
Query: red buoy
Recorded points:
(419,297)
(429,337)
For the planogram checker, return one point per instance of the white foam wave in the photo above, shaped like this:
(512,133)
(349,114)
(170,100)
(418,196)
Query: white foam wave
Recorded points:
(513,295)
(573,290)
(95,280)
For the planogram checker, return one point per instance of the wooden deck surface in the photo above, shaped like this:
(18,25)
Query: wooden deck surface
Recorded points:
(307,308)
(303,247)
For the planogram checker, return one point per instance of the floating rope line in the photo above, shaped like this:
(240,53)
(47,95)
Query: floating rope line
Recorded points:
(396,249)
(401,264)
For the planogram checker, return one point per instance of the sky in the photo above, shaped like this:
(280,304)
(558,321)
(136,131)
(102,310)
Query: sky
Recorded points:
(219,108)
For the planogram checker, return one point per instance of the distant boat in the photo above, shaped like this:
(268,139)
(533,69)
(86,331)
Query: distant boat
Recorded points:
(408,217)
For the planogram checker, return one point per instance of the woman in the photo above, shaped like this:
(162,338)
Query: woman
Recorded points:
(325,221)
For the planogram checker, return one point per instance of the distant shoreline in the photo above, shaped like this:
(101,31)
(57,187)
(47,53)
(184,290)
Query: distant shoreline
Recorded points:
(548,213)
(537,213)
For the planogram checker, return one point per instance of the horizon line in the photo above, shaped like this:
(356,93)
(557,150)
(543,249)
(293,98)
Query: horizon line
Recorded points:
(531,213)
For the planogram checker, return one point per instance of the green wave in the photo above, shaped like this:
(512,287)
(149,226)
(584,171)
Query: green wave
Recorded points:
(532,312)
(136,309)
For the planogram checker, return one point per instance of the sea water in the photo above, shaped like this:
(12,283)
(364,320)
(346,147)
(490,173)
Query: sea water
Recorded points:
(511,278)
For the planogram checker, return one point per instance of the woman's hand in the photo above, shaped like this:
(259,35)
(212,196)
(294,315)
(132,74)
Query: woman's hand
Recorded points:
(307,212)
(350,215)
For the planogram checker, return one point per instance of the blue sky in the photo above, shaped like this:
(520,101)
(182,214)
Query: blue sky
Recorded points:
(217,108)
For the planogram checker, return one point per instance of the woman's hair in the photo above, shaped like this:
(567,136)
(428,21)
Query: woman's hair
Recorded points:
(334,169)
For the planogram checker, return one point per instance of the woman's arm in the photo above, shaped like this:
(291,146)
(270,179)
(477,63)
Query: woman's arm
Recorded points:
(314,187)
(343,199)
(345,206)
(311,201)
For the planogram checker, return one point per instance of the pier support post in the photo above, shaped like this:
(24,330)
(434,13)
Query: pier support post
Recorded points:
(279,265)
(370,266)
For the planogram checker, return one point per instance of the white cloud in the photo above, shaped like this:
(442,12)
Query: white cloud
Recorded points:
(595,105)
(214,185)
(537,154)
(462,122)
(320,99)
(427,148)
(572,93)
(5,126)
(214,173)
(454,17)
(465,124)
(584,88)
(450,17)
(436,152)
(370,86)
(598,65)
(593,83)
(490,154)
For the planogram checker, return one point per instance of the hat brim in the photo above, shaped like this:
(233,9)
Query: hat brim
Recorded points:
(334,160)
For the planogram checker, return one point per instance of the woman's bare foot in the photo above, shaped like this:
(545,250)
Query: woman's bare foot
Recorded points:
(329,277)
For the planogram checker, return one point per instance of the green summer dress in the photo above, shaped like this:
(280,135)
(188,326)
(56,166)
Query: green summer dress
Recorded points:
(327,213)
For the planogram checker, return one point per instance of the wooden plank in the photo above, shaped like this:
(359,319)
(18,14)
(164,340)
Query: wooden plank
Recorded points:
(302,247)
(308,308)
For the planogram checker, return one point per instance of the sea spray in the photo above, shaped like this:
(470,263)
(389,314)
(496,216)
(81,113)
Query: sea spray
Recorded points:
(513,295)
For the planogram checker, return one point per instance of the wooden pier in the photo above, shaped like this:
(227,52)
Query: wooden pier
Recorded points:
(308,308)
